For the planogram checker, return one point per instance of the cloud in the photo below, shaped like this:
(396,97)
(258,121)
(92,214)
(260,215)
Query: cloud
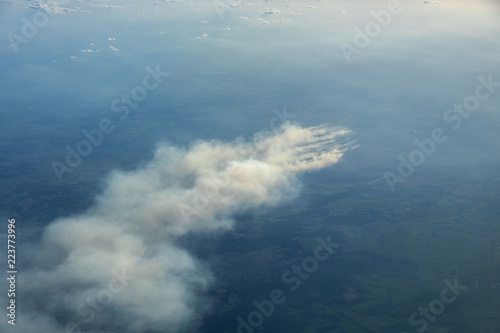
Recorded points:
(118,266)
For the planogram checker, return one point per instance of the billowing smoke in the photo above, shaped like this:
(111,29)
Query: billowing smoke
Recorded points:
(117,267)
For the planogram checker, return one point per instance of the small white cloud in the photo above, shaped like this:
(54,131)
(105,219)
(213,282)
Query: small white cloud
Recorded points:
(105,6)
(436,3)
(114,48)
(272,11)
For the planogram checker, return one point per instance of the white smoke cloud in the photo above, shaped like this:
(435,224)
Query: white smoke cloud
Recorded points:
(117,266)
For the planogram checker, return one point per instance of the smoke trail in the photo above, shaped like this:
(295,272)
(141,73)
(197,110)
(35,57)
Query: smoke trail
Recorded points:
(117,266)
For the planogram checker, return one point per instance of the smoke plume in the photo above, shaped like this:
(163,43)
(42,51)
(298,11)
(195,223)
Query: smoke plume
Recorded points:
(116,268)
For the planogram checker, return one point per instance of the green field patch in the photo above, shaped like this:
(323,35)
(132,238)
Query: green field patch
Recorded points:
(368,305)
(336,188)
(320,325)
(348,326)
(444,203)
(322,309)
